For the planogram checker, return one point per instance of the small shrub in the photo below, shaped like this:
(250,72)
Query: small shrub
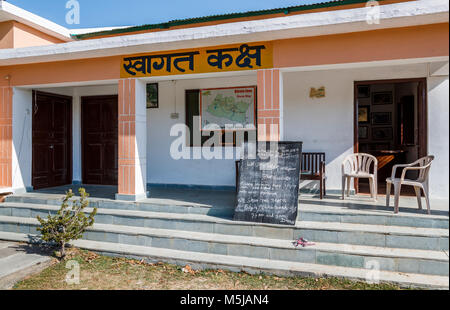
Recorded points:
(69,223)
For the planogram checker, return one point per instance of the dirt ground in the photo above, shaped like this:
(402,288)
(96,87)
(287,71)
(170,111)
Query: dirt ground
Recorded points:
(109,273)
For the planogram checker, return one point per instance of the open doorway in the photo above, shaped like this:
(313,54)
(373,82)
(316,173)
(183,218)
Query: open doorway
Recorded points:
(391,124)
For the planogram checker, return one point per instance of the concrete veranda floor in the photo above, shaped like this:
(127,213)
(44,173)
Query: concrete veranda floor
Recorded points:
(172,196)
(364,204)
(226,199)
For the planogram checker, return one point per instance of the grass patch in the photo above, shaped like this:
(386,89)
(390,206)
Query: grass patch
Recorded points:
(111,273)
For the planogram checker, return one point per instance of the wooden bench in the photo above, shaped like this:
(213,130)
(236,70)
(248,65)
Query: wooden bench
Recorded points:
(313,168)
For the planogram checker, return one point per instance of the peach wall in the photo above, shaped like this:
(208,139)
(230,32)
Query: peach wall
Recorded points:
(25,36)
(398,43)
(93,69)
(389,44)
(6,35)
(16,35)
(5,136)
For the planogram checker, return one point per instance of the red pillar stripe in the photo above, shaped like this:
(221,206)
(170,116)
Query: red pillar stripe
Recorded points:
(276,89)
(6,136)
(268,89)
(268,109)
(127,136)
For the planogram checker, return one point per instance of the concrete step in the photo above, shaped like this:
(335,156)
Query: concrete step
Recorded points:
(402,260)
(434,239)
(367,217)
(306,212)
(251,265)
(150,205)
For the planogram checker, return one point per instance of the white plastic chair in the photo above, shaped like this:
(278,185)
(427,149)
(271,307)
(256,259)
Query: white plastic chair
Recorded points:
(358,166)
(423,167)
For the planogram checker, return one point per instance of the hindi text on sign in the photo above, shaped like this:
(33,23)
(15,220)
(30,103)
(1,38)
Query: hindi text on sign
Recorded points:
(221,59)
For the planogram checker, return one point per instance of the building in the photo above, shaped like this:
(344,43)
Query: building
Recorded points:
(329,44)
(340,76)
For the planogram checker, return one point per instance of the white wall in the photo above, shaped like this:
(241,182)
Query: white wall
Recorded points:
(161,168)
(438,135)
(323,125)
(22,156)
(141,139)
(326,125)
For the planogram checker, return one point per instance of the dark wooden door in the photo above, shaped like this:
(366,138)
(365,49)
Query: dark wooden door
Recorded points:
(52,140)
(422,118)
(99,117)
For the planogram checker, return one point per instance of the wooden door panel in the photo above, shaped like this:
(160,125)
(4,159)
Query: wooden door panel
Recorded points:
(95,152)
(110,115)
(52,141)
(111,162)
(100,139)
(40,182)
(59,179)
(59,157)
(59,122)
(41,165)
(42,112)
(41,158)
(92,114)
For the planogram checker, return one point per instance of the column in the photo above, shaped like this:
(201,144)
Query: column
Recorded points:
(76,138)
(6,136)
(22,148)
(270,102)
(132,176)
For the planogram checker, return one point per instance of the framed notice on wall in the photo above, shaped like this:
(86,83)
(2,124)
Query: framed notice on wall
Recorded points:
(152,96)
(228,108)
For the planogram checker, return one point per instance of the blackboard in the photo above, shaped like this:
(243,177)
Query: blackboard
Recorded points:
(268,184)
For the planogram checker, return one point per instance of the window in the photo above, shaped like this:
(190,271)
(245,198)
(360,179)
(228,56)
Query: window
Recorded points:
(193,111)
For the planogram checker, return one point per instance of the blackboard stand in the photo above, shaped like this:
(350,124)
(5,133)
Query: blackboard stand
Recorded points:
(268,185)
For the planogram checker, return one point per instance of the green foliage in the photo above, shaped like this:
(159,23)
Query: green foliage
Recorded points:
(69,223)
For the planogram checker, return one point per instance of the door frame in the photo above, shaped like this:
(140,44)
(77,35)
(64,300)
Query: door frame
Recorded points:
(82,99)
(69,119)
(422,113)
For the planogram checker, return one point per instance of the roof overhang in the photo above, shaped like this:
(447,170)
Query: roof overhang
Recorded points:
(412,13)
(9,12)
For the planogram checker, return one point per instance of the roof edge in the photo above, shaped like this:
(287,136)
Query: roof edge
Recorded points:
(395,15)
(198,20)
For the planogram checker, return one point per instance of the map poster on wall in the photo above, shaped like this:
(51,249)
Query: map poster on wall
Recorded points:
(228,108)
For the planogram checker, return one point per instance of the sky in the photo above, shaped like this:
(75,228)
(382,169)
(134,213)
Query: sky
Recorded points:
(104,13)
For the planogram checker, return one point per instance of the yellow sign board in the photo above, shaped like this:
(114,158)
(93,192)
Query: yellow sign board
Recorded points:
(251,56)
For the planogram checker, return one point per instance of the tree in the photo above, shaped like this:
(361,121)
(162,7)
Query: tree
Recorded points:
(69,223)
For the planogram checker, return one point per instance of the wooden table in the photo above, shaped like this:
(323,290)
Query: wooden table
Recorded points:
(386,160)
